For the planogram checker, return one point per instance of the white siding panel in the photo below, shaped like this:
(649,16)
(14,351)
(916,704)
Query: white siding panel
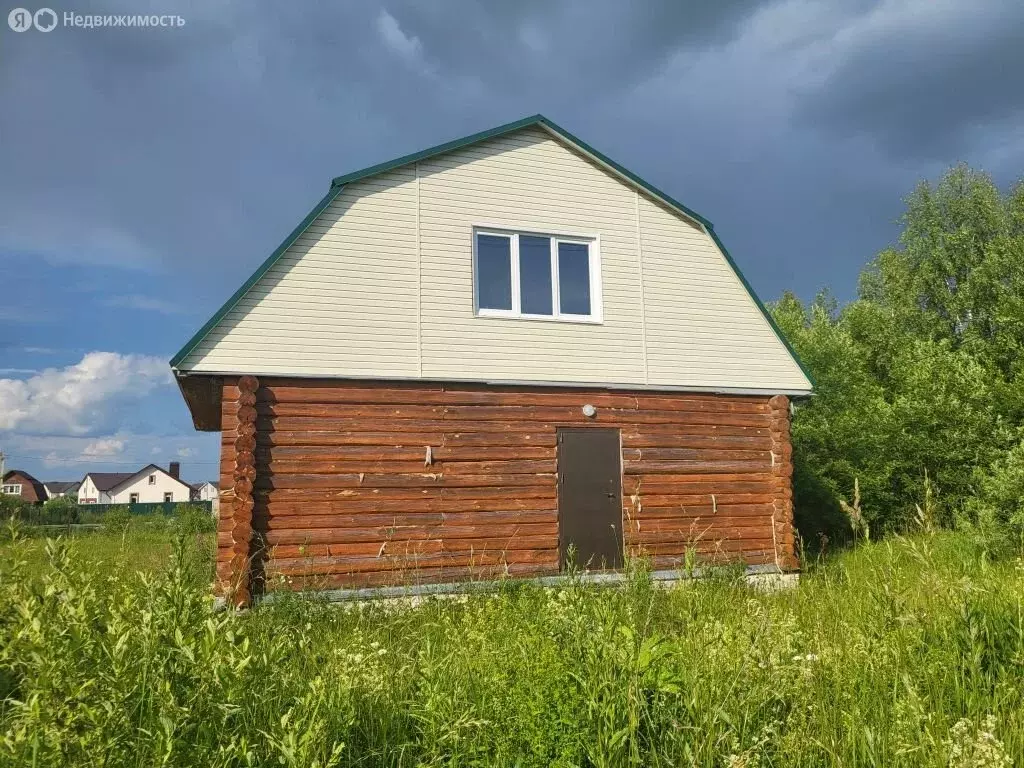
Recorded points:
(702,326)
(341,301)
(526,181)
(381,285)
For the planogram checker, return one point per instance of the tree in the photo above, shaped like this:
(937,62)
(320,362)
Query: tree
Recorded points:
(921,375)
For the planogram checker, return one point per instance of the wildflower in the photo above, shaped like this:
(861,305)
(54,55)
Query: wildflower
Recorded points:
(976,747)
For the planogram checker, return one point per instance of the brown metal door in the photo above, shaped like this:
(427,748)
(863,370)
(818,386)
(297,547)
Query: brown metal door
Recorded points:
(590,497)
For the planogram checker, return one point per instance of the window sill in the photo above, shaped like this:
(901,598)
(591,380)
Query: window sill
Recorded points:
(571,319)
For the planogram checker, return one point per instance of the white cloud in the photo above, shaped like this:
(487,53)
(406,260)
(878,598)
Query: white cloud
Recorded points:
(184,453)
(16,371)
(66,458)
(81,398)
(106,447)
(148,304)
(405,46)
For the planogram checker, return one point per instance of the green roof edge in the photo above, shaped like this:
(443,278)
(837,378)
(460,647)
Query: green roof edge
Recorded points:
(340,181)
(762,307)
(255,276)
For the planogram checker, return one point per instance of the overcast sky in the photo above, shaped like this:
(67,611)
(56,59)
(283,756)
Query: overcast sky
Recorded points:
(144,173)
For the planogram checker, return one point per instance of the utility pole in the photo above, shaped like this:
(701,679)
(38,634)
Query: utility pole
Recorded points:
(3,467)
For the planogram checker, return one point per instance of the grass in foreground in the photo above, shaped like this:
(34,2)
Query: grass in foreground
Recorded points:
(909,652)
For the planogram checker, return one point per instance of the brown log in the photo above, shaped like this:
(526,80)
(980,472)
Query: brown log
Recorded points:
(545,437)
(753,535)
(695,467)
(419,505)
(240,548)
(410,563)
(688,487)
(404,533)
(244,444)
(424,395)
(248,384)
(300,551)
(366,413)
(667,435)
(357,438)
(329,424)
(422,575)
(611,416)
(245,470)
(386,480)
(704,513)
(658,402)
(246,414)
(242,507)
(695,454)
(403,519)
(401,453)
(331,494)
(703,500)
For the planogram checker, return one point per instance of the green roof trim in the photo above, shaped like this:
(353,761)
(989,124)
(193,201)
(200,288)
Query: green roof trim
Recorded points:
(534,120)
(255,276)
(762,307)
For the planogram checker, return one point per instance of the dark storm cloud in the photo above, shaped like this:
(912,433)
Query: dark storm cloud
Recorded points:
(193,150)
(927,79)
(594,46)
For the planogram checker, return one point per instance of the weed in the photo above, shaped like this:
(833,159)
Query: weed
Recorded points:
(905,652)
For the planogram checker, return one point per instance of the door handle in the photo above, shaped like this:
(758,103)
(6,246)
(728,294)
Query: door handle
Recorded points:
(611,495)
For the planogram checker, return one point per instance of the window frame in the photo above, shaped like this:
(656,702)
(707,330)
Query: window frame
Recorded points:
(133,498)
(168,497)
(152,479)
(593,243)
(16,489)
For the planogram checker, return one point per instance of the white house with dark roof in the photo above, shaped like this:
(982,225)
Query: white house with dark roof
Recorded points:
(151,484)
(55,489)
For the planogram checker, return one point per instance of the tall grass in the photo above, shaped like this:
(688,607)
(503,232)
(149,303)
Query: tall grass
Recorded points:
(905,653)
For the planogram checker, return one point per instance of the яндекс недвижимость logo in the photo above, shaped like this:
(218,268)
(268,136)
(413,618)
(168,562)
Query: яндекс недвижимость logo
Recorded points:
(46,20)
(22,19)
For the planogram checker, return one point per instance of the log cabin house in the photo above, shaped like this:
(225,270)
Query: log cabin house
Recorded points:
(465,361)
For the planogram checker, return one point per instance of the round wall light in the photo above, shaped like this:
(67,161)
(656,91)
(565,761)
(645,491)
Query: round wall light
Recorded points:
(589,411)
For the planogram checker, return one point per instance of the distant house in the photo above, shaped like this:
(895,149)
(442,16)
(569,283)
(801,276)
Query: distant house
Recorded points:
(151,484)
(58,488)
(205,491)
(208,490)
(23,485)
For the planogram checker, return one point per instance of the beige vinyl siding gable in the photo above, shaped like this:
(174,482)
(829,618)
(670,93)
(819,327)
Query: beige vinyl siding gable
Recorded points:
(381,284)
(699,319)
(527,182)
(341,301)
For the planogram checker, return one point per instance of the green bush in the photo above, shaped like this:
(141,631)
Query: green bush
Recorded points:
(62,510)
(193,519)
(13,507)
(997,512)
(117,520)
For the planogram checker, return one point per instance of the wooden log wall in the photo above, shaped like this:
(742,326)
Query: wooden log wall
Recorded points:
(235,568)
(374,483)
